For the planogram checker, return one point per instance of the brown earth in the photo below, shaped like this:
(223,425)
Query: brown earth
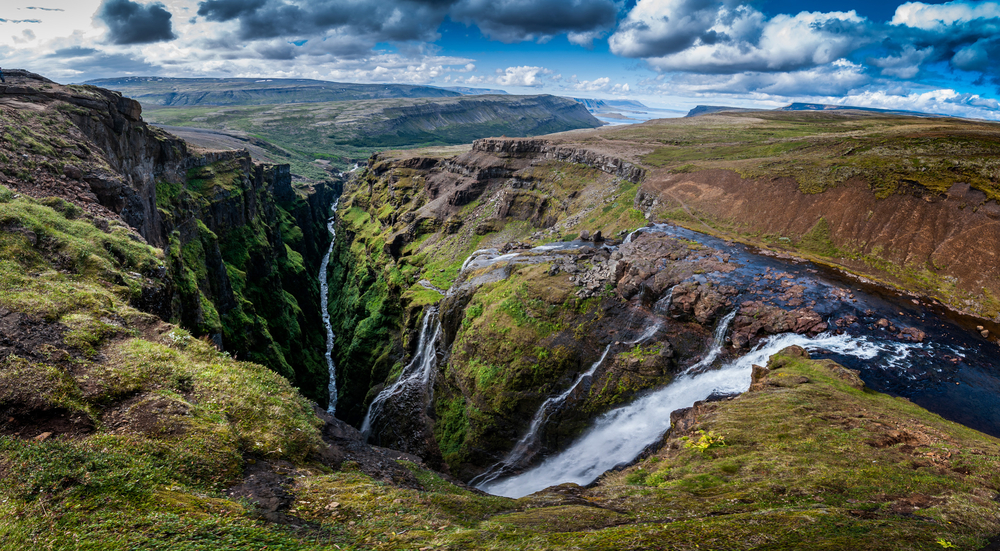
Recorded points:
(954,235)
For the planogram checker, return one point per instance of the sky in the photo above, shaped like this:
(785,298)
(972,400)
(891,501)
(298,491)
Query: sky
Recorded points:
(940,57)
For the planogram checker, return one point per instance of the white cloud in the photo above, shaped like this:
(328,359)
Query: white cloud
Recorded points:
(937,16)
(521,76)
(839,77)
(602,84)
(906,65)
(716,38)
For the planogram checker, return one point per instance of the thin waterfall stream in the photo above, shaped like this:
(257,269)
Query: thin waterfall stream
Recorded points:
(324,302)
(416,374)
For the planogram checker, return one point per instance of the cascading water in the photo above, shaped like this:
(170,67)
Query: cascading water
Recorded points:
(528,441)
(416,374)
(620,435)
(324,301)
(525,444)
(718,341)
(419,370)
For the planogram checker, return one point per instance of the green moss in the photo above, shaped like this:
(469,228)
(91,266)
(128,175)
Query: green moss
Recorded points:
(817,240)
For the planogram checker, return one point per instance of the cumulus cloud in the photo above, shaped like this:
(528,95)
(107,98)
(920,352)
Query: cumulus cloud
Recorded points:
(837,78)
(602,84)
(132,23)
(521,76)
(941,16)
(732,37)
(715,37)
(390,20)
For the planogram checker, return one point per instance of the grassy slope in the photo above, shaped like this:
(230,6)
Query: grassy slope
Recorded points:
(247,91)
(171,416)
(820,150)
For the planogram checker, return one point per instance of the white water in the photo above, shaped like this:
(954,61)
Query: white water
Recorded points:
(417,372)
(620,435)
(718,341)
(324,300)
(527,442)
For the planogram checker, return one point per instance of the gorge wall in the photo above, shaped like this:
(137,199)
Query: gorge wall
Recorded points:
(241,243)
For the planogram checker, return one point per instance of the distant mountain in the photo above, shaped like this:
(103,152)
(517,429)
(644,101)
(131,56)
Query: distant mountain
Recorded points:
(826,107)
(465,91)
(616,104)
(709,109)
(191,92)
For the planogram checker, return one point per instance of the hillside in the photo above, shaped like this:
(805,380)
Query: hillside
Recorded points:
(534,358)
(338,134)
(191,92)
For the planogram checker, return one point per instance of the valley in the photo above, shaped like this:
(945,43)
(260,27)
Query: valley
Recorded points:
(741,330)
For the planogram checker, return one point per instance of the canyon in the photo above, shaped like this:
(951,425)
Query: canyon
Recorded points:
(616,338)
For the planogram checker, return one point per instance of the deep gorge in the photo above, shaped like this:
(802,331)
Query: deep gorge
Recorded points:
(534,317)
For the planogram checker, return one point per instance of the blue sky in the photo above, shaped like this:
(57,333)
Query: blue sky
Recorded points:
(929,56)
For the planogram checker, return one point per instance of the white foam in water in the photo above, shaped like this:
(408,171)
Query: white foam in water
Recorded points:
(417,372)
(620,435)
(524,445)
(324,300)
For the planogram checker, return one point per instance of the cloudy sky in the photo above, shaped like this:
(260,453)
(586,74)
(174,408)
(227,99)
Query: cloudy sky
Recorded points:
(940,57)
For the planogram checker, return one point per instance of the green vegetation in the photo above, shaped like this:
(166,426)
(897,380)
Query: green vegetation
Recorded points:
(87,359)
(821,150)
(246,280)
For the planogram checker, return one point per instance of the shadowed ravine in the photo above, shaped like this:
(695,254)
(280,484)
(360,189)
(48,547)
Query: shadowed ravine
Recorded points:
(324,300)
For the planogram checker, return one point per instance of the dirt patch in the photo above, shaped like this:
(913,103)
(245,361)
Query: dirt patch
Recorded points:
(30,338)
(266,484)
(148,414)
(45,424)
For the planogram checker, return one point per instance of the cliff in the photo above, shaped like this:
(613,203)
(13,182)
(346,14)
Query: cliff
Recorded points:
(242,246)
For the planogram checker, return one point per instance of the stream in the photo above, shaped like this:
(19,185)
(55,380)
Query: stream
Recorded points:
(948,370)
(951,372)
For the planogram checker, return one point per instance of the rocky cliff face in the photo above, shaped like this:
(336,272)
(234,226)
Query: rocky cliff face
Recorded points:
(242,245)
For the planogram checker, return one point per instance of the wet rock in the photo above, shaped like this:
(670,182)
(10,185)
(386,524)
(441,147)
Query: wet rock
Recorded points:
(912,334)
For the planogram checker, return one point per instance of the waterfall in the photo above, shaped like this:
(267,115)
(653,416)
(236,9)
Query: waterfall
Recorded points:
(718,341)
(324,299)
(416,374)
(528,441)
(620,435)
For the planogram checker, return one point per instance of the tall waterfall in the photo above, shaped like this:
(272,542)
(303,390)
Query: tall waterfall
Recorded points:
(416,373)
(324,299)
